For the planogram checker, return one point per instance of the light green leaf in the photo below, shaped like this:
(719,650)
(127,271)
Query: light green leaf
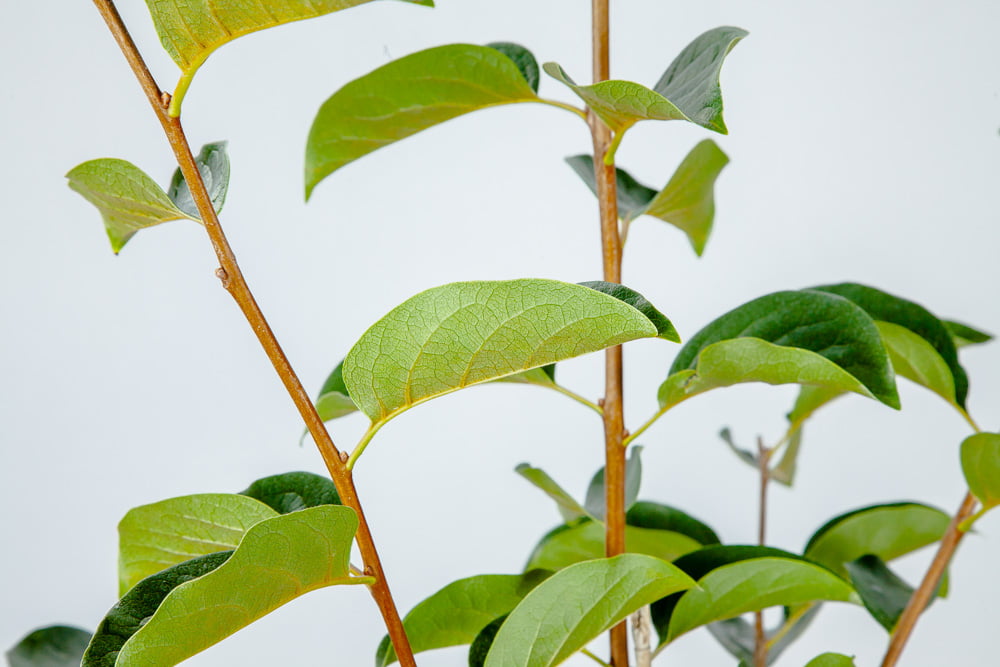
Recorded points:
(213,164)
(963,335)
(53,646)
(981,466)
(543,377)
(915,359)
(692,80)
(664,329)
(574,606)
(406,96)
(127,198)
(157,536)
(831,660)
(205,600)
(293,491)
(457,613)
(523,58)
(887,531)
(594,501)
(458,335)
(567,545)
(752,585)
(569,508)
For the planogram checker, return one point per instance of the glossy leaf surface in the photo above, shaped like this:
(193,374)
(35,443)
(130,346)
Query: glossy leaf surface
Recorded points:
(567,545)
(981,466)
(646,514)
(213,164)
(574,606)
(293,491)
(569,508)
(633,478)
(407,96)
(53,646)
(462,334)
(883,593)
(163,534)
(457,613)
(126,197)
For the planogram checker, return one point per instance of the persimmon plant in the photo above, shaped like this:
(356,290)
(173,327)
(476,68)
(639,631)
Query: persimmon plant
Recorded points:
(195,569)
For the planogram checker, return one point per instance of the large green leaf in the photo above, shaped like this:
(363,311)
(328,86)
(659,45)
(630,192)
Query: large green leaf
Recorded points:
(887,531)
(213,164)
(201,602)
(406,96)
(577,604)
(127,198)
(53,646)
(883,593)
(293,491)
(915,359)
(687,201)
(157,536)
(786,337)
(457,613)
(582,541)
(595,497)
(981,465)
(569,508)
(462,334)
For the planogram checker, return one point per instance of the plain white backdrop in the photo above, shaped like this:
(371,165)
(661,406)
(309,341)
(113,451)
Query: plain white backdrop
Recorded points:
(864,146)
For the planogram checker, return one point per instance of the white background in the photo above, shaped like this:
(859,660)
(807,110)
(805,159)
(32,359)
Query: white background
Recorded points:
(864,147)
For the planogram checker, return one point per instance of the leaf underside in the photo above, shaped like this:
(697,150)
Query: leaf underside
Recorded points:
(52,646)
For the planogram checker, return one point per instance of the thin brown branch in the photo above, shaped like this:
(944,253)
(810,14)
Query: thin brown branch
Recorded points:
(233,280)
(764,466)
(928,587)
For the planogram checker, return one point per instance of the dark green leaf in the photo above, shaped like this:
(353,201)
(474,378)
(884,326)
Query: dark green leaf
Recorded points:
(569,508)
(292,491)
(213,164)
(664,328)
(53,646)
(884,594)
(645,514)
(738,637)
(981,466)
(406,96)
(633,478)
(964,335)
(523,58)
(481,645)
(831,660)
(633,196)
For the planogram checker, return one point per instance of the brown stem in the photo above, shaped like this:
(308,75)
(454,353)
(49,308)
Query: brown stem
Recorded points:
(764,465)
(611,253)
(232,279)
(928,587)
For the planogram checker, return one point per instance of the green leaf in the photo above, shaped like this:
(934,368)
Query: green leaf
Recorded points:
(887,531)
(543,377)
(981,466)
(157,536)
(883,593)
(664,328)
(963,335)
(633,478)
(457,613)
(692,80)
(886,307)
(53,646)
(201,602)
(406,96)
(915,359)
(523,58)
(831,660)
(566,545)
(127,198)
(569,508)
(645,514)
(574,606)
(738,637)
(742,454)
(334,400)
(293,491)
(213,164)
(804,337)
(481,645)
(462,334)
(633,196)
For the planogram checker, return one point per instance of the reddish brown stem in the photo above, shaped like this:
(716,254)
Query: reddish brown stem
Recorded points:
(928,587)
(232,279)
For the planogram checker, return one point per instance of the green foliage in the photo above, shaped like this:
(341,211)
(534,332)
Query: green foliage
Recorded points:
(981,465)
(831,660)
(53,646)
(293,491)
(569,508)
(596,491)
(213,165)
(883,593)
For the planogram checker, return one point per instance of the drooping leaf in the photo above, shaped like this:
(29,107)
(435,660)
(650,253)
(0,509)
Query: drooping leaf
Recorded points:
(457,335)
(886,307)
(457,613)
(633,196)
(737,636)
(52,646)
(692,80)
(569,508)
(523,58)
(406,96)
(645,514)
(804,337)
(577,604)
(126,197)
(213,164)
(883,593)
(887,531)
(963,335)
(913,358)
(201,602)
(809,400)
(742,454)
(831,660)
(481,645)
(569,544)
(160,535)
(633,478)
(293,491)
(981,466)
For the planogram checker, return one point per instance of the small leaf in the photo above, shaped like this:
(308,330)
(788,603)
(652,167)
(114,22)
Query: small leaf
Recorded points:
(664,328)
(981,466)
(334,400)
(884,594)
(127,198)
(963,335)
(567,545)
(458,335)
(633,478)
(53,646)
(633,196)
(481,645)
(913,358)
(569,508)
(157,536)
(213,164)
(738,637)
(406,96)
(692,80)
(293,491)
(831,660)
(645,514)
(523,58)
(744,455)
(208,599)
(460,611)
(809,400)
(887,531)
(574,606)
